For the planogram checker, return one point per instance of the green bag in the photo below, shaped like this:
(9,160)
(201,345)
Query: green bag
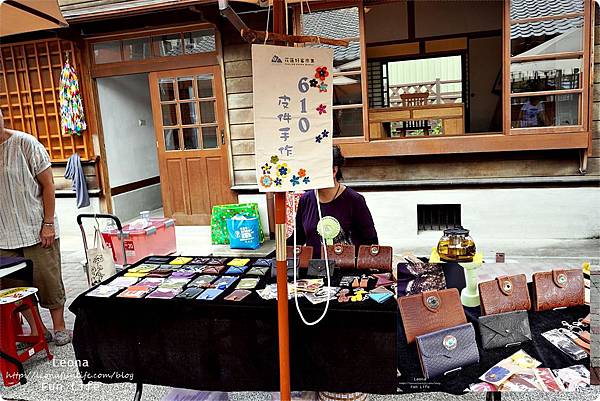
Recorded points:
(220,214)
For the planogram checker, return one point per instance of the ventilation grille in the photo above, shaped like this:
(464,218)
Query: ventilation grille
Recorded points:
(438,217)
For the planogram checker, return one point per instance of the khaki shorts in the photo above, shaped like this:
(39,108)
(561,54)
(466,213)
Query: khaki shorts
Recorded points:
(47,275)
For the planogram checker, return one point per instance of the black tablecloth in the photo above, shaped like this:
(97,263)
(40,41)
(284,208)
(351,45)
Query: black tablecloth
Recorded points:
(233,346)
(411,379)
(227,346)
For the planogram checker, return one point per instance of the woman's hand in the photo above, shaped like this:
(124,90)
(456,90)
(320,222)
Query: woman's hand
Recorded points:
(47,236)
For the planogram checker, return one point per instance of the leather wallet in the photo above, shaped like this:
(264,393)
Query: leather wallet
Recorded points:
(290,269)
(223,282)
(190,293)
(380,294)
(216,261)
(237,295)
(263,263)
(375,257)
(258,271)
(504,294)
(238,262)
(236,269)
(504,329)
(303,254)
(343,255)
(557,289)
(247,283)
(318,268)
(447,350)
(216,269)
(209,294)
(430,311)
(202,281)
(383,279)
(180,260)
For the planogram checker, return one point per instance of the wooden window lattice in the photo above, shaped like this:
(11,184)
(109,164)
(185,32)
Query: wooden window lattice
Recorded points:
(29,94)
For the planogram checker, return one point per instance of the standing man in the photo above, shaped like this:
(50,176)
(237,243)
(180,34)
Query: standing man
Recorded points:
(28,225)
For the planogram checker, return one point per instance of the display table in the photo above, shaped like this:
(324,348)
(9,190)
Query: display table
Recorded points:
(232,346)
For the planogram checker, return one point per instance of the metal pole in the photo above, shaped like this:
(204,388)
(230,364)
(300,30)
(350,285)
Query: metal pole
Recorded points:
(279,26)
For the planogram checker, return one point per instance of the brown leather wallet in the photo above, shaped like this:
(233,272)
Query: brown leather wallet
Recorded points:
(557,289)
(430,311)
(303,254)
(375,257)
(343,255)
(504,294)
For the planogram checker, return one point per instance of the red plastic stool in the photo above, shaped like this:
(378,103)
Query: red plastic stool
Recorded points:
(13,302)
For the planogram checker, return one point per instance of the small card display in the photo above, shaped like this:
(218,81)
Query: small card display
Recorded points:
(136,291)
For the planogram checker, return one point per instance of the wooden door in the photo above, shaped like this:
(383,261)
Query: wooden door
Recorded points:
(188,113)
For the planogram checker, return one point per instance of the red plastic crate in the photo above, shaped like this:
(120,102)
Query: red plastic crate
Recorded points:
(157,239)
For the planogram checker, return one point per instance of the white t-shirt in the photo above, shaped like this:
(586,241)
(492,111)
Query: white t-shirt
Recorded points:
(22,158)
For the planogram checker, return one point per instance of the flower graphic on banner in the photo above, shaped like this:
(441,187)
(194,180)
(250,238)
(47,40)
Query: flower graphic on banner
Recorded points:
(266,181)
(322,73)
(323,87)
(302,172)
(282,169)
(274,159)
(313,83)
(295,180)
(325,133)
(306,180)
(278,182)
(318,139)
(322,109)
(266,169)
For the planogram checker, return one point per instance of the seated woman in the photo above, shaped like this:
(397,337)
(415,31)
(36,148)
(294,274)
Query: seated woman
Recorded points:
(341,203)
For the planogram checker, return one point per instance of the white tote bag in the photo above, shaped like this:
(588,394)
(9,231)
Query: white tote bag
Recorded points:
(100,261)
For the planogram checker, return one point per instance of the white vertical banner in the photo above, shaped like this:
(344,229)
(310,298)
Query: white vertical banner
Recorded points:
(293,121)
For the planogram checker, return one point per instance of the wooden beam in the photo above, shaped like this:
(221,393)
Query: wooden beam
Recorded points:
(252,36)
(465,144)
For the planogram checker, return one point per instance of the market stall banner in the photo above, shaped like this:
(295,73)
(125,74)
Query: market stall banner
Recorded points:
(293,95)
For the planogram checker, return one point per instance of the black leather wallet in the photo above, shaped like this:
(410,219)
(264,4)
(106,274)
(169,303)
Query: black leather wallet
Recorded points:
(504,329)
(318,268)
(290,269)
(448,350)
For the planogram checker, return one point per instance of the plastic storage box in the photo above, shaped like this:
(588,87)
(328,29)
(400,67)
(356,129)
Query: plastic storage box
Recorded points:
(156,239)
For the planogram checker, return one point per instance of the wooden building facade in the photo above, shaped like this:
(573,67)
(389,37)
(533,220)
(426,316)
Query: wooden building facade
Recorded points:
(524,115)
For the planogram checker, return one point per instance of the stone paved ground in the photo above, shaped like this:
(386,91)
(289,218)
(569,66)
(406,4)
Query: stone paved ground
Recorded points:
(53,382)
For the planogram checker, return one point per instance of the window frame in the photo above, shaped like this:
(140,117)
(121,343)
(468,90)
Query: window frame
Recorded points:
(364,105)
(517,139)
(155,62)
(584,91)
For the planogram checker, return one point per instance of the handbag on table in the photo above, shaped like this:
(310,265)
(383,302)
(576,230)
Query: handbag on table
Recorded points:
(504,294)
(375,257)
(430,311)
(558,289)
(415,277)
(101,264)
(343,255)
(303,254)
(504,329)
(447,350)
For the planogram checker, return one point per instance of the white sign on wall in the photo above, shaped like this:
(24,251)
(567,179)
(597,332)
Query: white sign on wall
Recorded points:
(293,122)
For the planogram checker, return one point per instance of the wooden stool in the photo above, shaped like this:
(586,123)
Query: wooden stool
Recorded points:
(13,302)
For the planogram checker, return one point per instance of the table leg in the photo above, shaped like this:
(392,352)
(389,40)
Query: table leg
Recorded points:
(493,396)
(138,392)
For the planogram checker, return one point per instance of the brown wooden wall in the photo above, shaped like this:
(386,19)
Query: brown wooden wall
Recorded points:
(29,94)
(594,161)
(238,85)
